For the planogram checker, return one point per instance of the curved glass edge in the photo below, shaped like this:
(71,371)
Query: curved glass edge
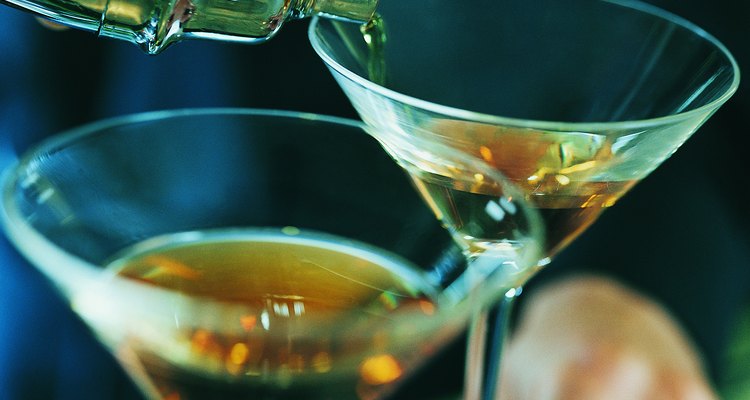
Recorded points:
(79,273)
(411,154)
(546,124)
(55,141)
(44,254)
(37,250)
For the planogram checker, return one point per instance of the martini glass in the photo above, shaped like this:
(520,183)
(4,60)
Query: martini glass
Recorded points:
(252,254)
(574,102)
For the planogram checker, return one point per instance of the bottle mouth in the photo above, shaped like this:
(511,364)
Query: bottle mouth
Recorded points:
(347,10)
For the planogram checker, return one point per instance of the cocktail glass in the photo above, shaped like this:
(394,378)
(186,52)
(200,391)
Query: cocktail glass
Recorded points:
(574,102)
(251,254)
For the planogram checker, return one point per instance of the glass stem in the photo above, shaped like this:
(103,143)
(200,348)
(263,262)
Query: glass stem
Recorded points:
(487,334)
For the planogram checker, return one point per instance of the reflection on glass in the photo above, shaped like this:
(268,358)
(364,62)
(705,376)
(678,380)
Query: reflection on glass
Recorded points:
(574,102)
(248,254)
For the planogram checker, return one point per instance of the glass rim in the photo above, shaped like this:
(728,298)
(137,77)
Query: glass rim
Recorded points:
(29,241)
(492,119)
(69,135)
(42,252)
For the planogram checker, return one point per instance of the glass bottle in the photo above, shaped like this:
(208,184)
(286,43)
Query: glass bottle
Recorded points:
(155,24)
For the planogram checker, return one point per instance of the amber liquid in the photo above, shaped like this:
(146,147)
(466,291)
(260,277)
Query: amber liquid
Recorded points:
(264,315)
(566,213)
(568,176)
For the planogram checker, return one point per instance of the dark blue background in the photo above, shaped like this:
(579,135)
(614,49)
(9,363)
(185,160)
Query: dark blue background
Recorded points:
(52,81)
(689,219)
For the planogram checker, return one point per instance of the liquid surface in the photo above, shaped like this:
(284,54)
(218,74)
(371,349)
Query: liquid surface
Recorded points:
(570,177)
(567,212)
(250,315)
(564,175)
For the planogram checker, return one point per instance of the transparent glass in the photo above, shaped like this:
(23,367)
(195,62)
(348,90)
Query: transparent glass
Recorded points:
(256,254)
(153,25)
(574,102)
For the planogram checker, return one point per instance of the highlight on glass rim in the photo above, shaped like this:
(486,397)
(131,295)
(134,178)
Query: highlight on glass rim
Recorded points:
(353,209)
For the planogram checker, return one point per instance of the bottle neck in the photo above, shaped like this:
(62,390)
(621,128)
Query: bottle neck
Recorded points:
(349,10)
(154,24)
(80,14)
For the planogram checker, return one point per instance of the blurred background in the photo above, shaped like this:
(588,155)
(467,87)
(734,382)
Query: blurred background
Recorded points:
(690,214)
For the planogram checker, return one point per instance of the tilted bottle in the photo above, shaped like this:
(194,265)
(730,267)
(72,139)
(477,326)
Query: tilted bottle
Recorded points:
(155,24)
